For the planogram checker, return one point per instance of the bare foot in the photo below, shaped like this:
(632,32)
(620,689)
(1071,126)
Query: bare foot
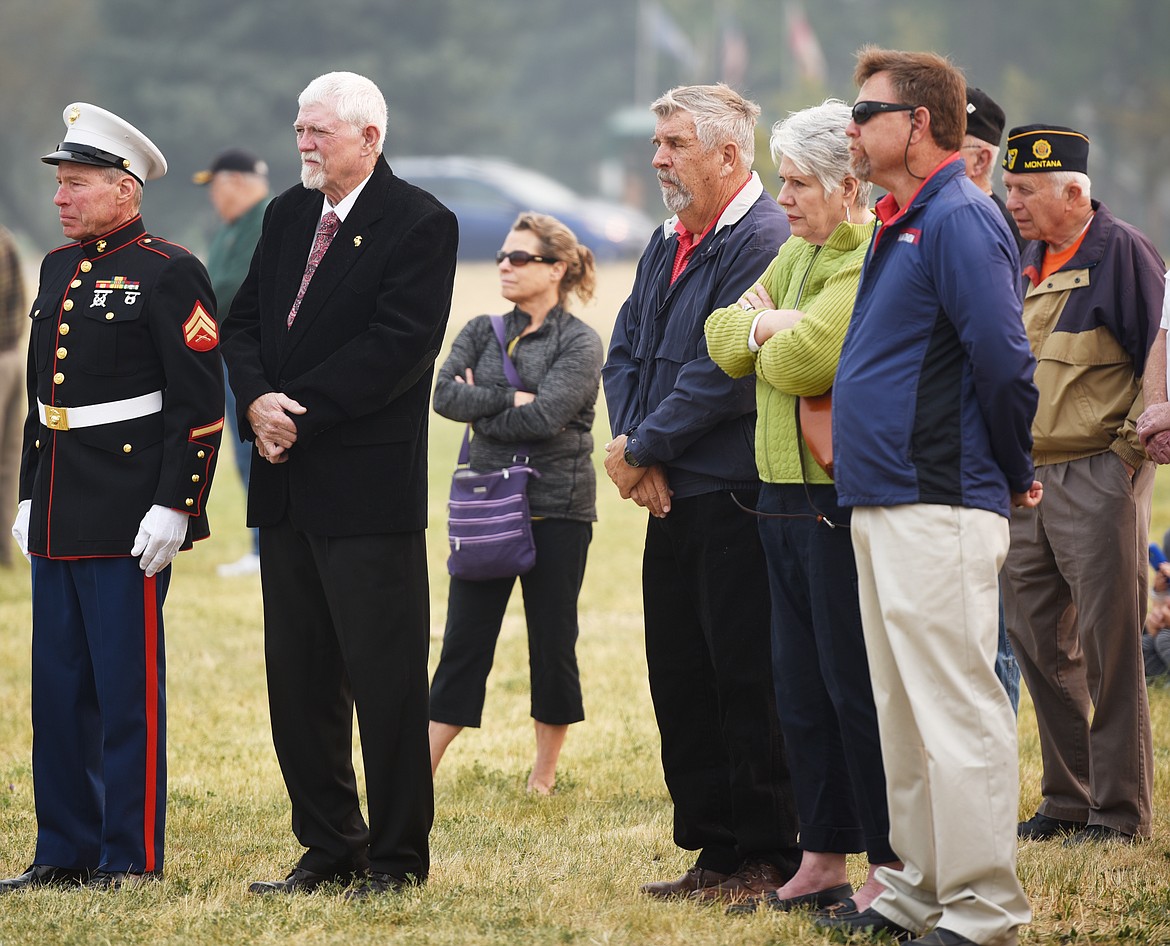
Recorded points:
(539,787)
(818,871)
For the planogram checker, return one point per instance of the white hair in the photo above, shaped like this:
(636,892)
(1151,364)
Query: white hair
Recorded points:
(1061,180)
(721,114)
(814,140)
(355,99)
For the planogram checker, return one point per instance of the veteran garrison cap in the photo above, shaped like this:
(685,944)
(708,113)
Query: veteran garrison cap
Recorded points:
(985,119)
(233,159)
(95,136)
(1036,149)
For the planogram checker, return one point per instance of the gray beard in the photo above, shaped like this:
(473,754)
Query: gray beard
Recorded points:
(677,198)
(312,177)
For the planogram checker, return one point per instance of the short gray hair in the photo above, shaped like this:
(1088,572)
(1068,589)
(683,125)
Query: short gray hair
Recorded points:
(114,175)
(814,140)
(1061,180)
(721,114)
(355,99)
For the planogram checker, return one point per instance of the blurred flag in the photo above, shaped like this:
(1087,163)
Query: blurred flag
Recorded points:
(733,53)
(806,49)
(663,32)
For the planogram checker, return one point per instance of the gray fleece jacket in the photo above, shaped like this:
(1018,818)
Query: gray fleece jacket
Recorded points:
(561,363)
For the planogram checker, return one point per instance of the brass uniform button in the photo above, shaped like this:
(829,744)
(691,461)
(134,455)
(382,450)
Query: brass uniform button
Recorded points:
(68,306)
(86,266)
(189,501)
(109,316)
(126,448)
(58,378)
(76,284)
(195,478)
(201,454)
(62,352)
(63,328)
(147,240)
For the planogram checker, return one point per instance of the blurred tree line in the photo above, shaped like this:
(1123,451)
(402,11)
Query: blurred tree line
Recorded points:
(540,82)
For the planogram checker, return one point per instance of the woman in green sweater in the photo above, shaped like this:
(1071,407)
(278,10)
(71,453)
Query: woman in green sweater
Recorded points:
(788,329)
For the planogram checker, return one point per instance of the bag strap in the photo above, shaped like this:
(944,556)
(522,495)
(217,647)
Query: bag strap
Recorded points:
(513,376)
(510,371)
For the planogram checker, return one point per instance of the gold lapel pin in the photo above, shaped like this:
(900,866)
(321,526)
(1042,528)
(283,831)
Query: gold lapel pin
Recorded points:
(357,241)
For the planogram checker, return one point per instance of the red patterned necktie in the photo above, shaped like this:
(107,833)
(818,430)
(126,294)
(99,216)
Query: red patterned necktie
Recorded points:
(325,230)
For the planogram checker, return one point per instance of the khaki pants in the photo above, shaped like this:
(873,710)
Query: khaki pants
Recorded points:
(1075,601)
(928,586)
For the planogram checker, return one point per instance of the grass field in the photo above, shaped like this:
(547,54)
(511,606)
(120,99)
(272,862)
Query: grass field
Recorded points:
(507,868)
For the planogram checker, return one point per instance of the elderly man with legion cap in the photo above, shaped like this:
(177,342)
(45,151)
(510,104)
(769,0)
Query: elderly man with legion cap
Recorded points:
(125,397)
(1075,578)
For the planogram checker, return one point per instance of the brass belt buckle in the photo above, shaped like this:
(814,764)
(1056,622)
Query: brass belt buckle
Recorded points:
(56,418)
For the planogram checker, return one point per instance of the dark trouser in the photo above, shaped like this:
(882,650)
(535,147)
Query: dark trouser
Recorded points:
(823,693)
(705,596)
(475,613)
(99,714)
(346,623)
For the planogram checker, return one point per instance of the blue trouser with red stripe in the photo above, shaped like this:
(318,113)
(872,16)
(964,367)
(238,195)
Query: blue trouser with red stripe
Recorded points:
(99,714)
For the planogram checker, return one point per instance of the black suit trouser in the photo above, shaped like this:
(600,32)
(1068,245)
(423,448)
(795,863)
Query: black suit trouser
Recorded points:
(347,623)
(709,655)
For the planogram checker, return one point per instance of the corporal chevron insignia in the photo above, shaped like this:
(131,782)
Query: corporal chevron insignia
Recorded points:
(200,331)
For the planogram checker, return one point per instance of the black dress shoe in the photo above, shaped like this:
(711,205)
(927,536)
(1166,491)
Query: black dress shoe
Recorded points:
(43,875)
(940,937)
(868,922)
(120,879)
(816,900)
(302,881)
(1097,834)
(1042,828)
(376,883)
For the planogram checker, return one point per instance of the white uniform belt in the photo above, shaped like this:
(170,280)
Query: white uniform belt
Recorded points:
(93,415)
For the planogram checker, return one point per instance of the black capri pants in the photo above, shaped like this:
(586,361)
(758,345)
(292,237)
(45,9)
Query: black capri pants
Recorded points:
(475,613)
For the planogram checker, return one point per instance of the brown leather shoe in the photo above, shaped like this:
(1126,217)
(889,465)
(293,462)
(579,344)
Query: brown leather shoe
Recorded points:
(753,879)
(695,879)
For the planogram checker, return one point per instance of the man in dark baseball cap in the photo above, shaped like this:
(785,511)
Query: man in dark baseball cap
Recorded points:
(985,124)
(233,159)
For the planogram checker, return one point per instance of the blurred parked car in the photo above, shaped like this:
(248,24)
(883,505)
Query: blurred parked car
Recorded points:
(486,194)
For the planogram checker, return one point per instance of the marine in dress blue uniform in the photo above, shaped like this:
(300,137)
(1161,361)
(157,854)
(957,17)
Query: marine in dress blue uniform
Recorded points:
(125,412)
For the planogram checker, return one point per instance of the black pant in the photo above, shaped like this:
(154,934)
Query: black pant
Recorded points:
(823,693)
(346,622)
(705,596)
(475,613)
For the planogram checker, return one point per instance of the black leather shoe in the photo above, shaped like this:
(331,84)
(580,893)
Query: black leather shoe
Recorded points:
(941,937)
(816,900)
(376,883)
(1097,834)
(43,875)
(1042,828)
(120,879)
(302,881)
(868,922)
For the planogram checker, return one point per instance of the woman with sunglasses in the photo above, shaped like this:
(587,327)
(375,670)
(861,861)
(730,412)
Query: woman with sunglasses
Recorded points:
(788,329)
(558,358)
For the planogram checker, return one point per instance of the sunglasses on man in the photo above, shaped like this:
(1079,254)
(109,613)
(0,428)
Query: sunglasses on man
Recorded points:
(864,111)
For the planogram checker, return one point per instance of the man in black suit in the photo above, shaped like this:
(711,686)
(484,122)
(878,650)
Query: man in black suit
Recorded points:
(330,346)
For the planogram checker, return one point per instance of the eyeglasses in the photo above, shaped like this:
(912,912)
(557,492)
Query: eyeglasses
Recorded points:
(520,258)
(864,111)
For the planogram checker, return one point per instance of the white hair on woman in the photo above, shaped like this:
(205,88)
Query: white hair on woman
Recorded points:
(814,140)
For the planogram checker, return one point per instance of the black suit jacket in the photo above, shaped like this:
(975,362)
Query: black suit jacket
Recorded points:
(359,355)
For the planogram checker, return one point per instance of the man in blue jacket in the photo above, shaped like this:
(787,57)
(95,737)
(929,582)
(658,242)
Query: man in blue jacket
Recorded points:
(683,442)
(932,407)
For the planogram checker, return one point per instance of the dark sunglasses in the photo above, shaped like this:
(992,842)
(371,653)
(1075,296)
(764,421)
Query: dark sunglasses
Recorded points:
(864,111)
(520,258)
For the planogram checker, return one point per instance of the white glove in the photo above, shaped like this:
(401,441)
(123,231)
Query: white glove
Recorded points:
(160,534)
(20,526)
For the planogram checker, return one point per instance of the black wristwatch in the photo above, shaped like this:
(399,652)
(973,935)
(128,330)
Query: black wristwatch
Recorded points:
(630,459)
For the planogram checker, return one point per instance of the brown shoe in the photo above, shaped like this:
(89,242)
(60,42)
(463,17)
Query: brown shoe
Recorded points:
(753,879)
(695,879)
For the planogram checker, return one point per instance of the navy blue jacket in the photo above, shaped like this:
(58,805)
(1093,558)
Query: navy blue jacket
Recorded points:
(661,386)
(934,400)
